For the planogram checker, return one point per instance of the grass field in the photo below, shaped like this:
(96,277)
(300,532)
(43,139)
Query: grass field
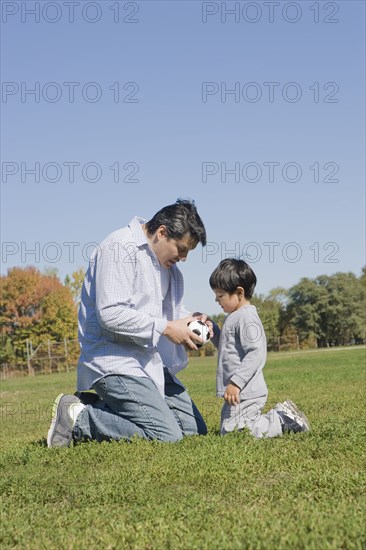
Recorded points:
(233,492)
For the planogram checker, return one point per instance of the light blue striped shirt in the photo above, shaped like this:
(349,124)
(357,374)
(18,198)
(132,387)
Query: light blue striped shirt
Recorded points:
(123,313)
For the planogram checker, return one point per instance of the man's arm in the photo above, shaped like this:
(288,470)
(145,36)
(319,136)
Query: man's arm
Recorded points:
(115,275)
(115,278)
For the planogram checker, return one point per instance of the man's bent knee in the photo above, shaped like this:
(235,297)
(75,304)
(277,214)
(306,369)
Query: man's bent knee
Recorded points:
(169,435)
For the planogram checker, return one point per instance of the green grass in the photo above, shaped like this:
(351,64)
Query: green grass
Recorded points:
(233,492)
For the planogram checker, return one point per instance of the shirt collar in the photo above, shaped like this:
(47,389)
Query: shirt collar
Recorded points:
(137,232)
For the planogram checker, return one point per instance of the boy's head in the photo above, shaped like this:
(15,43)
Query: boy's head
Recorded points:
(233,276)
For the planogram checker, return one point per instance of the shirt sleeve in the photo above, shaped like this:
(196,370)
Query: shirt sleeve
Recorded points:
(115,277)
(184,312)
(253,342)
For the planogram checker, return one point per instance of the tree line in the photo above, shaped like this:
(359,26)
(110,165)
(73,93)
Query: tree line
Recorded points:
(326,311)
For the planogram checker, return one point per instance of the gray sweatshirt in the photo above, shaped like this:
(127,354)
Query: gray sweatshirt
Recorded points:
(242,351)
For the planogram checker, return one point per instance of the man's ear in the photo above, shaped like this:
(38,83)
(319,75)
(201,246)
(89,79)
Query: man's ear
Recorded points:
(161,232)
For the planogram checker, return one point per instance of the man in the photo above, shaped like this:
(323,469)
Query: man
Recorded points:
(133,333)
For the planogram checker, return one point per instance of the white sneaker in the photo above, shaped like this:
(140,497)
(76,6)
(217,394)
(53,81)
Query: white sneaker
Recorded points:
(65,410)
(294,408)
(292,418)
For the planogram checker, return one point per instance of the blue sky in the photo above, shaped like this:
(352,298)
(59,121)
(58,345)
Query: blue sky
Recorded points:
(294,131)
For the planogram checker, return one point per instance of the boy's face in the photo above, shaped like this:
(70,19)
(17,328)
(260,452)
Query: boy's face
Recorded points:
(230,302)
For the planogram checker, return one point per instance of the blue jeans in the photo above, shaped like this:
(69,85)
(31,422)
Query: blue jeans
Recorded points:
(132,406)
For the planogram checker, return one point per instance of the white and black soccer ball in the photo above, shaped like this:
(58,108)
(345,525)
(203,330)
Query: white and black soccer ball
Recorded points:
(201,329)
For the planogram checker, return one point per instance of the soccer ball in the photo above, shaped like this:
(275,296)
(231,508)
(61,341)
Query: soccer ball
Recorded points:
(201,329)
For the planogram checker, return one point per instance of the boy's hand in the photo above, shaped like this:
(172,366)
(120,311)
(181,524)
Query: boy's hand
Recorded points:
(210,327)
(232,394)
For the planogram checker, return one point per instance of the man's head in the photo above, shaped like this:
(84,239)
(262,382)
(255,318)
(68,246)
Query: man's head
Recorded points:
(174,231)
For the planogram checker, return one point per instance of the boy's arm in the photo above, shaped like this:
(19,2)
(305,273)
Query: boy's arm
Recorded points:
(253,341)
(215,332)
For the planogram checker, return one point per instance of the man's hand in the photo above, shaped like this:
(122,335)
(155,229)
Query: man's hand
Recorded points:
(179,333)
(232,394)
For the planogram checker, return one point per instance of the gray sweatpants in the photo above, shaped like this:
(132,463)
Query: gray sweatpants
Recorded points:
(248,414)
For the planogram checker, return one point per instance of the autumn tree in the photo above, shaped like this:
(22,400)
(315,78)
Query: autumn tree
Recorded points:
(35,306)
(75,284)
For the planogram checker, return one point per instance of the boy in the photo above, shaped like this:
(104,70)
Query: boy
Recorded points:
(242,350)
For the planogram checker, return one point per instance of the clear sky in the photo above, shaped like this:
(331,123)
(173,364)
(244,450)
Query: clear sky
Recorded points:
(254,109)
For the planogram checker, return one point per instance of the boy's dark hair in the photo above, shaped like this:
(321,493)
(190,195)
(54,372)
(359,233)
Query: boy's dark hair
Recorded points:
(230,274)
(179,219)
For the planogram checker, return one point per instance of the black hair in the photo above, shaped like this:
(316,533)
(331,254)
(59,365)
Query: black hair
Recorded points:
(231,273)
(180,219)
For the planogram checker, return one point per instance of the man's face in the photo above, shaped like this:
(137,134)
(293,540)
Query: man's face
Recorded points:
(170,251)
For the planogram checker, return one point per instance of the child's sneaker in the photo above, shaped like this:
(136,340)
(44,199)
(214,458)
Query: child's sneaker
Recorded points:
(291,405)
(65,411)
(292,419)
